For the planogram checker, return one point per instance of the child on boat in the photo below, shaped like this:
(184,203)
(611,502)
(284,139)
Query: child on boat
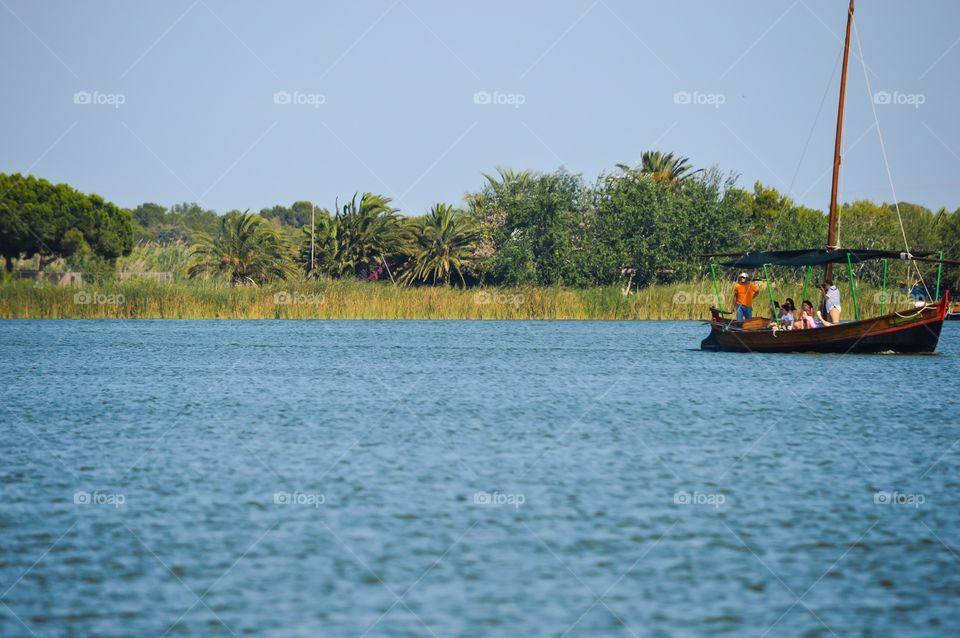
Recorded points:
(785,317)
(806,320)
(787,313)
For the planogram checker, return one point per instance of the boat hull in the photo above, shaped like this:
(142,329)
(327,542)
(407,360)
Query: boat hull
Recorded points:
(912,332)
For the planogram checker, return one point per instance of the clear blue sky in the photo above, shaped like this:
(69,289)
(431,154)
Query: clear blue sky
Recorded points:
(597,82)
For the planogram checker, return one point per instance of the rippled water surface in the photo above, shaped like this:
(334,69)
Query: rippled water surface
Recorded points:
(225,478)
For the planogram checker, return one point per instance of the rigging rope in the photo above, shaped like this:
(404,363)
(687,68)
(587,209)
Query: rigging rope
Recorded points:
(816,119)
(917,311)
(883,151)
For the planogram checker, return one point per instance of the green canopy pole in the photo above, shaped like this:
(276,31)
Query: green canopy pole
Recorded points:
(716,286)
(773,306)
(883,290)
(806,283)
(853,289)
(939,274)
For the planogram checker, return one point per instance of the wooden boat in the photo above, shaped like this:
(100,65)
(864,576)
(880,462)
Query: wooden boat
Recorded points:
(913,330)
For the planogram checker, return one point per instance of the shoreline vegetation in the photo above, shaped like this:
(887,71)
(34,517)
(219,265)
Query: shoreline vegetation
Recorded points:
(630,245)
(345,299)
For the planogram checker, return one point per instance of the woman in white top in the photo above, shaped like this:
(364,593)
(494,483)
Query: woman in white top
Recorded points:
(831,303)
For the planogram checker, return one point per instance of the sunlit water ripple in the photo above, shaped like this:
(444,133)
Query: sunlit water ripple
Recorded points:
(330,479)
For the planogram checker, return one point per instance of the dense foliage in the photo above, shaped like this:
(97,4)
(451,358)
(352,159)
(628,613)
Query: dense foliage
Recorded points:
(178,224)
(244,250)
(443,246)
(56,221)
(647,224)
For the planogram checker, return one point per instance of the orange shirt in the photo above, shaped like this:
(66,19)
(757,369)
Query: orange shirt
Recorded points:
(743,293)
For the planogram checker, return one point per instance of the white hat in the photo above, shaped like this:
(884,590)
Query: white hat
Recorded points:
(744,275)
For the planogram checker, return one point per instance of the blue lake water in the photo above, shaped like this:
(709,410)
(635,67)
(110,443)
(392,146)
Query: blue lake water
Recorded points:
(221,478)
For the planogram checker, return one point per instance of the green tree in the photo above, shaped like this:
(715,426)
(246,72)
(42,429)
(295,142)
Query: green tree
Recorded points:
(444,244)
(920,225)
(244,250)
(657,228)
(773,222)
(149,215)
(359,239)
(948,230)
(152,222)
(531,225)
(325,245)
(490,207)
(194,218)
(296,216)
(37,217)
(662,167)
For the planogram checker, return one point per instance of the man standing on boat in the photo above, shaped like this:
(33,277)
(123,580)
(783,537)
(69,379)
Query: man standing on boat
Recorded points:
(743,293)
(830,304)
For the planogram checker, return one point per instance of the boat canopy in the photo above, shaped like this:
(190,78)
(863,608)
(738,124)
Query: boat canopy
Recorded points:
(813,257)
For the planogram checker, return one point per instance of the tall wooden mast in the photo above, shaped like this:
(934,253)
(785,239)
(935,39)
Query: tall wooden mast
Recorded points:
(832,220)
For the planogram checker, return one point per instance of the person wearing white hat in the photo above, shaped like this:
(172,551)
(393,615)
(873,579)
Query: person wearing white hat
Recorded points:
(743,293)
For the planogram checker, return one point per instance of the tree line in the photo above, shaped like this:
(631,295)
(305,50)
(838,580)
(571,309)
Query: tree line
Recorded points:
(650,223)
(55,221)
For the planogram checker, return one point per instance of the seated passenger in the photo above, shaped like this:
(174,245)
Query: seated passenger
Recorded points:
(806,320)
(786,315)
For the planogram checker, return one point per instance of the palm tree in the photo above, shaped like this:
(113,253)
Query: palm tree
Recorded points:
(508,179)
(445,242)
(326,245)
(359,238)
(663,167)
(245,249)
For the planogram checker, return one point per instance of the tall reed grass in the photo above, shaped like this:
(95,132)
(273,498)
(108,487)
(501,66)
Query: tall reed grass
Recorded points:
(147,299)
